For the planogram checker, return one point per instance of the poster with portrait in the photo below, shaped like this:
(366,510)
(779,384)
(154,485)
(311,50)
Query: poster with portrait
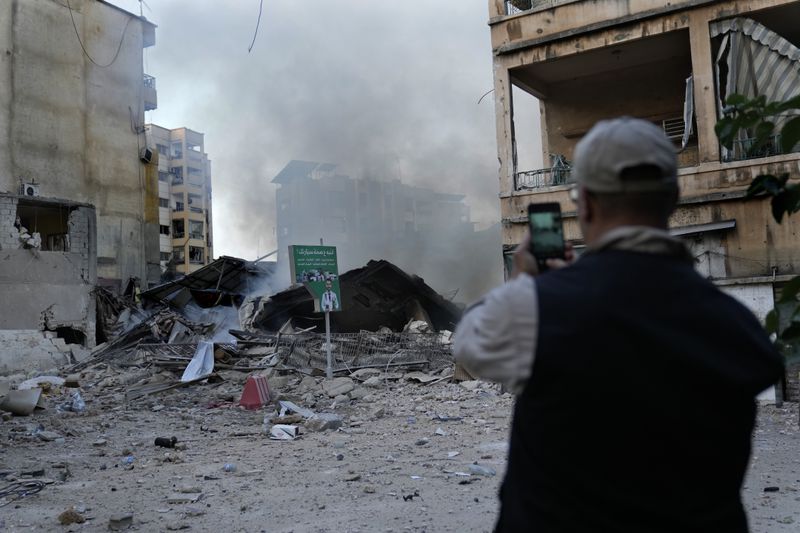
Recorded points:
(317,269)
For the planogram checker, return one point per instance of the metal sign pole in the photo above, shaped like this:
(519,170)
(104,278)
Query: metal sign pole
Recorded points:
(329,370)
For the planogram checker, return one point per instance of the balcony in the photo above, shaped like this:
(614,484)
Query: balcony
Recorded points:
(196,209)
(744,149)
(149,93)
(520,6)
(178,207)
(545,177)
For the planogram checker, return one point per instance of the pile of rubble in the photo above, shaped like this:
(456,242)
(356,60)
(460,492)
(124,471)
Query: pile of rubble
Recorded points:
(190,331)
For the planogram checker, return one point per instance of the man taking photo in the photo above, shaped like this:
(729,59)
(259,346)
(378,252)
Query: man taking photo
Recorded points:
(636,378)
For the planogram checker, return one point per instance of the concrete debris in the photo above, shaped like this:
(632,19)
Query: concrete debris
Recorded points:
(283,432)
(338,386)
(120,522)
(324,422)
(290,407)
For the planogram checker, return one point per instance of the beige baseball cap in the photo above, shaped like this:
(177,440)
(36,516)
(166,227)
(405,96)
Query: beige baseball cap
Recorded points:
(611,146)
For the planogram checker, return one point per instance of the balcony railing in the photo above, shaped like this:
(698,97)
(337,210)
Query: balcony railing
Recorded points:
(149,94)
(178,235)
(743,149)
(196,209)
(520,6)
(545,177)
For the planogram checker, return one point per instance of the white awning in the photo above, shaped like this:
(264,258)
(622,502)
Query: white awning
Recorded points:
(694,229)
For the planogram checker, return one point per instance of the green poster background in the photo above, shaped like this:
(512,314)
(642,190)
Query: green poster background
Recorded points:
(317,269)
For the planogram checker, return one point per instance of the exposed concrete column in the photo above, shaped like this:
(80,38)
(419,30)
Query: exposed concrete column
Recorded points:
(504,125)
(705,107)
(7,19)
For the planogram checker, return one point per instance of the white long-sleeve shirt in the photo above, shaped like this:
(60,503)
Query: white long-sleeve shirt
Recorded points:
(496,338)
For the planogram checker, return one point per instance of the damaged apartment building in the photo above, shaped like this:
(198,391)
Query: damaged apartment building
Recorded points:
(78,188)
(670,62)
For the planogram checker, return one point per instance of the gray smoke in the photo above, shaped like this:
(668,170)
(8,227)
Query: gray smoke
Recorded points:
(386,89)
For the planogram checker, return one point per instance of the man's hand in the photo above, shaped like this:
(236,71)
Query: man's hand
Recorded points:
(525,262)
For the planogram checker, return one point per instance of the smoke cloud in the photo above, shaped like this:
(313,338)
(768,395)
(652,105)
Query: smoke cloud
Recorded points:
(387,90)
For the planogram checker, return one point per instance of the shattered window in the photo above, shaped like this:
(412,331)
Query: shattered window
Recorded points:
(164,230)
(178,230)
(195,254)
(163,176)
(195,229)
(177,175)
(179,254)
(43,227)
(177,150)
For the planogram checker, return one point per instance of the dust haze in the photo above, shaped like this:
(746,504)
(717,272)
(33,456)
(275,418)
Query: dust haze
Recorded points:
(387,90)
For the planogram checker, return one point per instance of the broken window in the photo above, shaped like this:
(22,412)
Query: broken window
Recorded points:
(43,226)
(196,254)
(178,199)
(179,254)
(162,149)
(163,202)
(164,230)
(165,257)
(177,175)
(177,150)
(163,176)
(178,229)
(196,203)
(195,229)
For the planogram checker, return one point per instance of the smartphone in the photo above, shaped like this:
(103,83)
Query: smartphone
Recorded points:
(547,232)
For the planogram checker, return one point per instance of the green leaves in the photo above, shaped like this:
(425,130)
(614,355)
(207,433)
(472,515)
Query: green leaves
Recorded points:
(790,135)
(754,116)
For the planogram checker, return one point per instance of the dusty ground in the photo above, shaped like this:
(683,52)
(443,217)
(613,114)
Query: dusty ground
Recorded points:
(387,469)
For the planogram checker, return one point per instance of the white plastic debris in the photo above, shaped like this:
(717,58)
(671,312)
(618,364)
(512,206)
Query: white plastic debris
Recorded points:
(202,364)
(283,432)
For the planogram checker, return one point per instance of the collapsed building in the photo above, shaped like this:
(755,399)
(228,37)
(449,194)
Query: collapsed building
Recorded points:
(388,318)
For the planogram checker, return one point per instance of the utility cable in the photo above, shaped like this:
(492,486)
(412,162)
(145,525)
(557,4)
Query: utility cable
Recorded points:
(85,52)
(258,23)
(20,489)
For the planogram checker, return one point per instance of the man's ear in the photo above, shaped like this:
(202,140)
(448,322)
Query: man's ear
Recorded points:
(587,210)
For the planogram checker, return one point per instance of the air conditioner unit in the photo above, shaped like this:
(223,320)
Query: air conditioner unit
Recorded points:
(146,155)
(29,189)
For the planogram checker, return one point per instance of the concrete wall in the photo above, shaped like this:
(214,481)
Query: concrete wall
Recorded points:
(70,125)
(44,291)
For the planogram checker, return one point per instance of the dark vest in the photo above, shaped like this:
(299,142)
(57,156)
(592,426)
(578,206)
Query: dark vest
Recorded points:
(640,407)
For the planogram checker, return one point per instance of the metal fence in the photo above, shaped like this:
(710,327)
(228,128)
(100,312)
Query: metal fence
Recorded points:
(306,352)
(545,177)
(743,149)
(351,351)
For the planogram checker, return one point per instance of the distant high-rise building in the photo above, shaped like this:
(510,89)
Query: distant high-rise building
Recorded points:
(380,218)
(184,196)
